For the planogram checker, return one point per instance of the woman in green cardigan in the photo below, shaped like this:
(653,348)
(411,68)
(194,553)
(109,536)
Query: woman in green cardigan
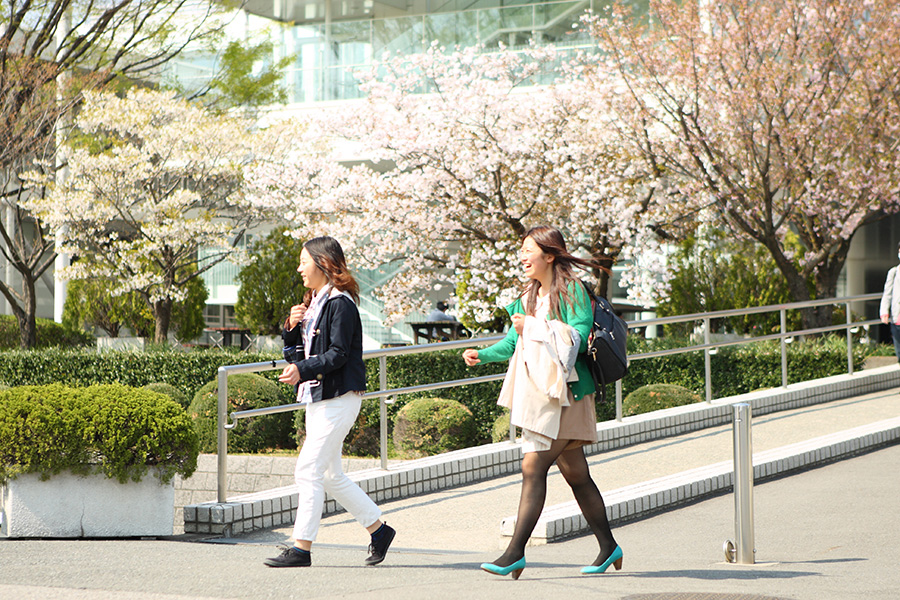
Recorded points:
(554,292)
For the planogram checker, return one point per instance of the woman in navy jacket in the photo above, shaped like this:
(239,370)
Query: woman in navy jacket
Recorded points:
(323,345)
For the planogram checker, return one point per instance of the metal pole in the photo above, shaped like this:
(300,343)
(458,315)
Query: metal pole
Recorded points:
(382,403)
(707,363)
(222,437)
(784,378)
(619,400)
(743,485)
(849,342)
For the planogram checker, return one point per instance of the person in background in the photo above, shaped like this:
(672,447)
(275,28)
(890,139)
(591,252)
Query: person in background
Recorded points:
(323,346)
(439,313)
(554,300)
(890,305)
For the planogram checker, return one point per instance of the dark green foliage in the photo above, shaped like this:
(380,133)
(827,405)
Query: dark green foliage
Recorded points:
(90,303)
(111,429)
(739,369)
(245,391)
(169,390)
(187,315)
(720,273)
(187,371)
(657,396)
(270,285)
(428,426)
(49,334)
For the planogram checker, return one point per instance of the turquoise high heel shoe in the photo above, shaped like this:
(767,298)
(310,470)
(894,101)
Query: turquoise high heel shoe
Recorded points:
(516,568)
(614,559)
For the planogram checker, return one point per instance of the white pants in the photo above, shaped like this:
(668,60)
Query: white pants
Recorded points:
(319,467)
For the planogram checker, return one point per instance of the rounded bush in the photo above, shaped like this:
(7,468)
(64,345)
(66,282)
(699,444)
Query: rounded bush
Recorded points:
(167,389)
(112,429)
(500,432)
(657,396)
(427,426)
(245,391)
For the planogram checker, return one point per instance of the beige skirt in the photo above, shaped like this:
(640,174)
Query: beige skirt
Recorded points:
(578,422)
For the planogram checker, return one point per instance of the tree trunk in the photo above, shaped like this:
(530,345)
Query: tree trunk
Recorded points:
(25,315)
(162,312)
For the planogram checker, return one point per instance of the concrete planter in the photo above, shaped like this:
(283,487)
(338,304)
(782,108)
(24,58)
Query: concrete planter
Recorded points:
(71,506)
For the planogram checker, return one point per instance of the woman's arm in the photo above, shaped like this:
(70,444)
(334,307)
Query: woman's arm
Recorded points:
(579,316)
(504,349)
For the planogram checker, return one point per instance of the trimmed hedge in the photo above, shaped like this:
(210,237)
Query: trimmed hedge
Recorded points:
(427,426)
(112,429)
(246,391)
(736,370)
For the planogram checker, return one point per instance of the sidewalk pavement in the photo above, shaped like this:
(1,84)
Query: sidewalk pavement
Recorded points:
(823,534)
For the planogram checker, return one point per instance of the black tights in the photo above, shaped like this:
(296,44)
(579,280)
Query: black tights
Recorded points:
(574,468)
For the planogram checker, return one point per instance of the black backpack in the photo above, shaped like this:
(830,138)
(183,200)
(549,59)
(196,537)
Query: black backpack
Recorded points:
(606,352)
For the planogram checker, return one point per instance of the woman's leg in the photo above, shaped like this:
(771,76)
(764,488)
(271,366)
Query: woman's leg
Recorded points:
(327,424)
(535,466)
(347,493)
(574,468)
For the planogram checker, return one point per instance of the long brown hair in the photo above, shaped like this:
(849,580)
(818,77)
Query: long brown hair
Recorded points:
(328,256)
(550,240)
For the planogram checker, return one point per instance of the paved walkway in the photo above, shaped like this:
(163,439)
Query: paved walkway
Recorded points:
(824,534)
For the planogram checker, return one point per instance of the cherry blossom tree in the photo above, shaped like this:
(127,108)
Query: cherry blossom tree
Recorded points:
(783,118)
(167,182)
(462,153)
(49,53)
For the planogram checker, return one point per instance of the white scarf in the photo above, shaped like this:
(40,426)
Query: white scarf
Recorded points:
(309,331)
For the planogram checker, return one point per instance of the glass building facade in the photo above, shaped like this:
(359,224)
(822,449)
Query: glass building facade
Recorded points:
(330,40)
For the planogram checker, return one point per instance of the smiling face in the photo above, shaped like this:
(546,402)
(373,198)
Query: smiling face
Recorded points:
(313,277)
(537,264)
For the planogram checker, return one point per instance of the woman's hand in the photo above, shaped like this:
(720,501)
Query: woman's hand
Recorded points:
(518,322)
(290,375)
(471,357)
(297,313)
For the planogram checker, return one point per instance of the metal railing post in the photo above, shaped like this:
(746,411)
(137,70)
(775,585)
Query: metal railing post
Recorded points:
(382,403)
(784,377)
(619,400)
(222,437)
(707,362)
(743,486)
(849,342)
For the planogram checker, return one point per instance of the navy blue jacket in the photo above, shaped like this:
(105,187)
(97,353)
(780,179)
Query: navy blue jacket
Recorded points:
(335,357)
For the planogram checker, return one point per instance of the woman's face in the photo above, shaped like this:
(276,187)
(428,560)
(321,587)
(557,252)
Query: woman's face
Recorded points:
(537,264)
(313,277)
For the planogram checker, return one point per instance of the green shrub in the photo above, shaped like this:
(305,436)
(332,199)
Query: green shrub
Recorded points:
(187,371)
(501,428)
(427,426)
(245,391)
(112,429)
(49,334)
(169,390)
(657,396)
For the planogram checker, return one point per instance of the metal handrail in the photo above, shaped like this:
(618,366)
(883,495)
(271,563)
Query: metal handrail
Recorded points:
(386,395)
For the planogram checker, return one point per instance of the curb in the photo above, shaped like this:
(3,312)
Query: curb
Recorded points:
(647,498)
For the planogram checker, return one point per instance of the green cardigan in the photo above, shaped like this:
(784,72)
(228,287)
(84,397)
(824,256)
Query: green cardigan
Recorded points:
(580,317)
